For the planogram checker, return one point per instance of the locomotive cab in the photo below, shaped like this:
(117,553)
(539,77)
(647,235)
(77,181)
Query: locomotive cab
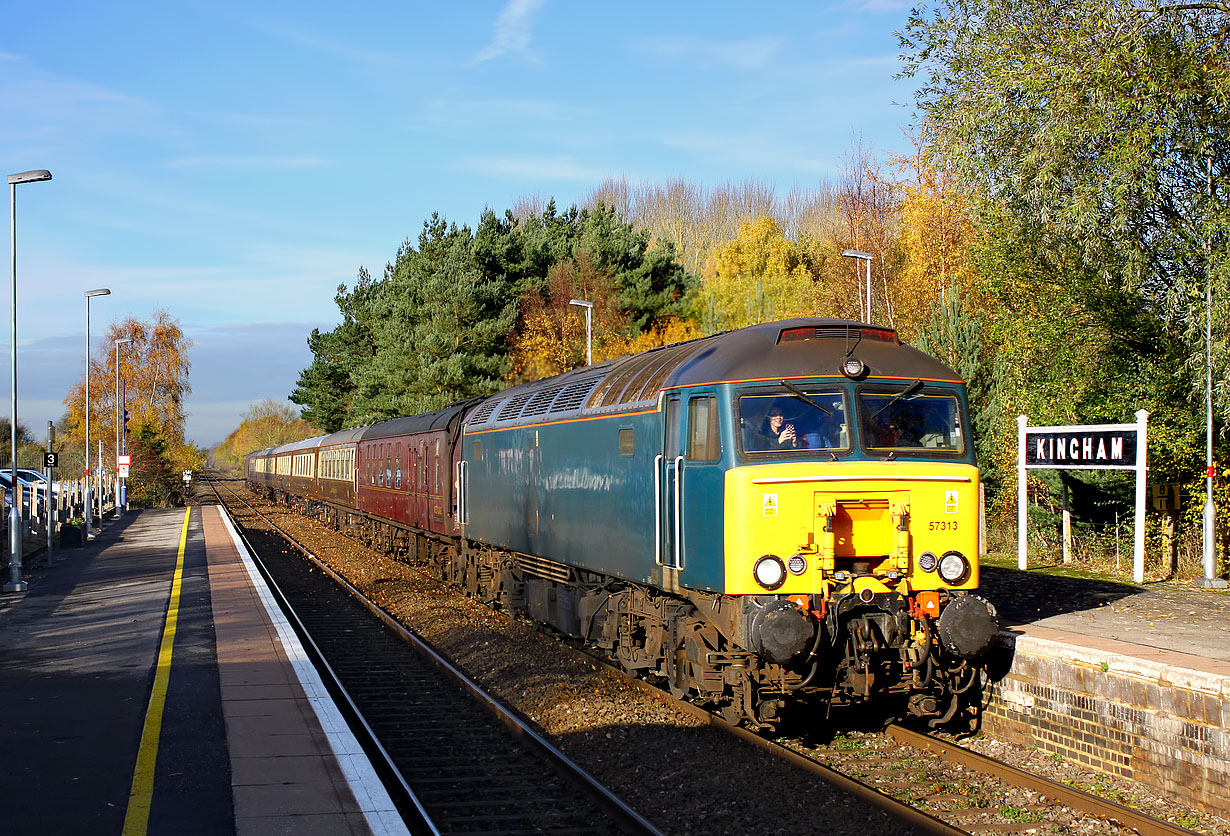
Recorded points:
(855,505)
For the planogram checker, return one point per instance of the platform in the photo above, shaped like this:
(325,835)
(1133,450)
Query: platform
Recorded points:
(1128,680)
(149,685)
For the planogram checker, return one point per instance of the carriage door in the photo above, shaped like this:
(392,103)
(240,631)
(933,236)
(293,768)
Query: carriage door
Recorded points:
(667,488)
(690,501)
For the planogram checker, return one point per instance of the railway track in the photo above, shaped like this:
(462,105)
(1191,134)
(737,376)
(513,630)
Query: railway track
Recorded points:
(935,786)
(458,761)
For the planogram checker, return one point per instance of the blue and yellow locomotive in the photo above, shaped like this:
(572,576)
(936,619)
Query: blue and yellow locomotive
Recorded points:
(786,513)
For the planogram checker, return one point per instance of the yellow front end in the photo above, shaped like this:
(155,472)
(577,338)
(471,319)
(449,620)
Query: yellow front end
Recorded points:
(840,520)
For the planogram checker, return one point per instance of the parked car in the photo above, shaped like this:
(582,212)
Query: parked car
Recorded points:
(27,486)
(31,476)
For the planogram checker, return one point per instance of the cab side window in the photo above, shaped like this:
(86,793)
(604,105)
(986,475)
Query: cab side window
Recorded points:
(704,439)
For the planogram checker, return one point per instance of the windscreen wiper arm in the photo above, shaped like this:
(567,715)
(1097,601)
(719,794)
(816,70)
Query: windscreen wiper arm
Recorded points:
(799,393)
(902,395)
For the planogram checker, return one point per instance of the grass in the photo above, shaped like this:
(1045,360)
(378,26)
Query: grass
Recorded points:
(1017,814)
(1074,570)
(848,745)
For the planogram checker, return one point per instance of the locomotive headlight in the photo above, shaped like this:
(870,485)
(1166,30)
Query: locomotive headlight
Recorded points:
(770,571)
(954,568)
(797,564)
(927,562)
(853,368)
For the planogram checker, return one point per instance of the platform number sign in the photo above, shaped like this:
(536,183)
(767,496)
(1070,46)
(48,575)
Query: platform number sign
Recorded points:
(51,459)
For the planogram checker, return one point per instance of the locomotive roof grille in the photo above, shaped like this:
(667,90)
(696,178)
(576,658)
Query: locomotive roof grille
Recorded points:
(574,395)
(484,411)
(541,402)
(513,408)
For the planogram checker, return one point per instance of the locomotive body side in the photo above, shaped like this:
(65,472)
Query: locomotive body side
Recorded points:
(567,491)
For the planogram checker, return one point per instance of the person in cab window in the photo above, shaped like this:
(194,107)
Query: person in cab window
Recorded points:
(776,434)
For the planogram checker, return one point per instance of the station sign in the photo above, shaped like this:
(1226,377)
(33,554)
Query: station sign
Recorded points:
(1108,447)
(1089,447)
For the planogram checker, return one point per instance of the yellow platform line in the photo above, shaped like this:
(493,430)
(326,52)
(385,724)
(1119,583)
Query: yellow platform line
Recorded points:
(136,819)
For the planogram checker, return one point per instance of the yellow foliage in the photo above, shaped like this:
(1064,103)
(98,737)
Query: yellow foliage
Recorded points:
(153,367)
(672,331)
(759,276)
(266,424)
(936,231)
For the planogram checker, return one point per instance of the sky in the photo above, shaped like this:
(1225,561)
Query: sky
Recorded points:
(234,162)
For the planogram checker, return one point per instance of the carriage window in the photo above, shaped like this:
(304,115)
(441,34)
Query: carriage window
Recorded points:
(781,422)
(397,473)
(627,441)
(911,419)
(704,440)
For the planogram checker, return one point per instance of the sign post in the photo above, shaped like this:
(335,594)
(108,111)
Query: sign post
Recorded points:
(1088,447)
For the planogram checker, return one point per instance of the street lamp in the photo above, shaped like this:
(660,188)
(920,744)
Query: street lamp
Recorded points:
(89,294)
(1209,551)
(589,334)
(119,422)
(16,584)
(866,257)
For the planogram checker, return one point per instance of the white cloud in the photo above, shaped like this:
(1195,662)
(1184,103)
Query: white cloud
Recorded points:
(290,33)
(754,151)
(526,167)
(513,30)
(743,54)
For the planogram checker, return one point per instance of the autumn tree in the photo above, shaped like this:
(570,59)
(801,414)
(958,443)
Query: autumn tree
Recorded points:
(867,199)
(267,423)
(756,277)
(936,232)
(153,372)
(1099,130)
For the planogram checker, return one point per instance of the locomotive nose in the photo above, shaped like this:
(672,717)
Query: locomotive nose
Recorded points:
(781,631)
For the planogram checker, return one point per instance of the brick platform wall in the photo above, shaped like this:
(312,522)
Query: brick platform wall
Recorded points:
(1158,725)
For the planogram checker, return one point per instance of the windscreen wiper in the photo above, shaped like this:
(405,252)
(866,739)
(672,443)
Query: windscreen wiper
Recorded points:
(902,395)
(799,393)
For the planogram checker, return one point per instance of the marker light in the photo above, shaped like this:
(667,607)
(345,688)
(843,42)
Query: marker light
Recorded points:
(797,564)
(927,562)
(769,571)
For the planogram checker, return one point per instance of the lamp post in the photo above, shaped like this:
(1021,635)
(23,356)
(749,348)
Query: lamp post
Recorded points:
(589,334)
(1209,554)
(119,422)
(89,294)
(866,257)
(15,583)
